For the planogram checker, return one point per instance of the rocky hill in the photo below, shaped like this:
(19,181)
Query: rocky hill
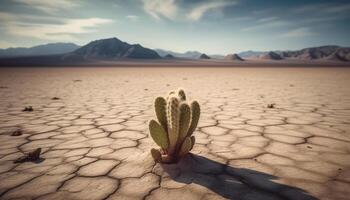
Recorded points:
(271,56)
(204,56)
(112,48)
(234,57)
(330,52)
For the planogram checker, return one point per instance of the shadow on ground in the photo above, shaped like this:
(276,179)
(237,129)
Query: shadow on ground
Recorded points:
(230,182)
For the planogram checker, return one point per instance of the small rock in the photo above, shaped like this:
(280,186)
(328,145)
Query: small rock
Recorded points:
(17,132)
(55,98)
(310,147)
(339,169)
(77,80)
(146,89)
(33,156)
(3,87)
(28,109)
(272,105)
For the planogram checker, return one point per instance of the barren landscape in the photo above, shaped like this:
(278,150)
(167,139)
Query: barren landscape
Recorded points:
(96,145)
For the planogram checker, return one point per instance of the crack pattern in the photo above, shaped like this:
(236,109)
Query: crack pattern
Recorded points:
(95,142)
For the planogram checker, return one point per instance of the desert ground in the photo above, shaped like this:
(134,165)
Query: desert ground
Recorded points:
(95,140)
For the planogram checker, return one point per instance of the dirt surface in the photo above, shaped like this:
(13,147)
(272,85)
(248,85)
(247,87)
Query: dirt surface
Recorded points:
(91,126)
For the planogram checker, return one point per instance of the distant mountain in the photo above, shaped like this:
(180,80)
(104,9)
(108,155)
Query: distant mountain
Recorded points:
(323,52)
(40,50)
(271,56)
(187,54)
(111,48)
(330,52)
(340,54)
(247,54)
(169,56)
(217,56)
(204,56)
(234,57)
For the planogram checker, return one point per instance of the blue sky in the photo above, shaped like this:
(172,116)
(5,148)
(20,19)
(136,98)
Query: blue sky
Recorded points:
(210,26)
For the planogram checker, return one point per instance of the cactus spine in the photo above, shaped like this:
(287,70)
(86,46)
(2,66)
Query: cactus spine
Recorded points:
(177,122)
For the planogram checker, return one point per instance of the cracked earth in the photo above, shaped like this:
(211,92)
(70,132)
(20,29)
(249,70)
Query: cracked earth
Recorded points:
(95,143)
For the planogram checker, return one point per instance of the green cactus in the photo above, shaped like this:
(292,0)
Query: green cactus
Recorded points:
(195,109)
(181,94)
(193,140)
(185,120)
(157,156)
(177,122)
(160,107)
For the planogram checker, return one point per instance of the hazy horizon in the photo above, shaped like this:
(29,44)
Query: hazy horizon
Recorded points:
(213,27)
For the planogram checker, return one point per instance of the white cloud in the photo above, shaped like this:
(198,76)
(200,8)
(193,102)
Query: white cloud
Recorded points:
(267,19)
(5,44)
(161,8)
(49,6)
(132,17)
(198,12)
(299,32)
(268,24)
(68,29)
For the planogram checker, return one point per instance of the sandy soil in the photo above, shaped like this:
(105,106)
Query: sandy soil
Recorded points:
(96,146)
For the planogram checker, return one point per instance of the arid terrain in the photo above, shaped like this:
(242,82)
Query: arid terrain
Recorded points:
(95,140)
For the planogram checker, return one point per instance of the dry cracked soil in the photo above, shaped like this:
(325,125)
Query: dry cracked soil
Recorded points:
(91,125)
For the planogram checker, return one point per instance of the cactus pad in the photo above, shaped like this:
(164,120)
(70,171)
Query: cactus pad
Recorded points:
(160,107)
(156,155)
(158,134)
(186,147)
(195,110)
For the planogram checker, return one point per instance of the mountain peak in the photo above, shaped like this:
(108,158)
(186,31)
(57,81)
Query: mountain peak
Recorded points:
(112,48)
(204,56)
(271,55)
(234,57)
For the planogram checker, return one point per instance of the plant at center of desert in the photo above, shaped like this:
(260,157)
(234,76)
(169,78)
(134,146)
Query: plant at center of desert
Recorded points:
(176,123)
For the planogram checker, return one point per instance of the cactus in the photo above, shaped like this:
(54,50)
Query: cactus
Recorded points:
(177,121)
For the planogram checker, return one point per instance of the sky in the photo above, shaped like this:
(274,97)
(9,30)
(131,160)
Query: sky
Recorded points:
(209,26)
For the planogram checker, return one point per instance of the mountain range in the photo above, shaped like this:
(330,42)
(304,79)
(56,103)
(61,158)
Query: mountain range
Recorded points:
(187,54)
(330,52)
(115,49)
(46,49)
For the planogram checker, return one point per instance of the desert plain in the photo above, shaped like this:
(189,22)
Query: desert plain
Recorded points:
(96,145)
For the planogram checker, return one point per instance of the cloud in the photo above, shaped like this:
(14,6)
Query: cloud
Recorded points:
(161,8)
(67,29)
(49,6)
(269,22)
(267,19)
(299,32)
(198,12)
(5,44)
(133,17)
